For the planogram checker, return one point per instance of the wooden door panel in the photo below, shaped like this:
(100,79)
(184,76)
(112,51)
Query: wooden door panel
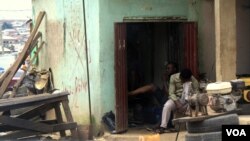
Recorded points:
(121,78)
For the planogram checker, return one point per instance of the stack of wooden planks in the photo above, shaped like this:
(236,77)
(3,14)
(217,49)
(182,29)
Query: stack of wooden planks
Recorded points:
(31,43)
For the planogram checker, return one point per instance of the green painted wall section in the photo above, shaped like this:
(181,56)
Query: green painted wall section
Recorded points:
(64,53)
(93,41)
(112,11)
(65,49)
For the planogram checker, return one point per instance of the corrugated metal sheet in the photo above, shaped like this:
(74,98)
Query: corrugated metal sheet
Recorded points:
(190,47)
(121,78)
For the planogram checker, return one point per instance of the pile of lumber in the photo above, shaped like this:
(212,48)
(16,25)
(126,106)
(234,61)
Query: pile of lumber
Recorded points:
(31,43)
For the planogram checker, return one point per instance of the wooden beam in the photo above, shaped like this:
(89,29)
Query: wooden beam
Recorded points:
(25,124)
(22,55)
(64,126)
(36,111)
(19,102)
(6,128)
(16,135)
(59,117)
(56,127)
(69,117)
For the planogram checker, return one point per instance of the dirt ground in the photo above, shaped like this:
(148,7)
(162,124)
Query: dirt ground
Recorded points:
(133,134)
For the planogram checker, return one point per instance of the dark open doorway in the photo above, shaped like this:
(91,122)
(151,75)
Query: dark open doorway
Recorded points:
(142,49)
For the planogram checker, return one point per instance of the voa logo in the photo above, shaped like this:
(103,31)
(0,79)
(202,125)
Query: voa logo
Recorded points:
(236,132)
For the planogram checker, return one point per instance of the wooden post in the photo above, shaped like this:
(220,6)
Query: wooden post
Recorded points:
(69,117)
(59,117)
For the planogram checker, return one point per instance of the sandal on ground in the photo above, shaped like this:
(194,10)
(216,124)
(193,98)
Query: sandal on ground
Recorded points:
(172,129)
(160,130)
(165,130)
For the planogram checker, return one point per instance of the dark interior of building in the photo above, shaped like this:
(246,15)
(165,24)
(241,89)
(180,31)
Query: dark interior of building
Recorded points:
(150,46)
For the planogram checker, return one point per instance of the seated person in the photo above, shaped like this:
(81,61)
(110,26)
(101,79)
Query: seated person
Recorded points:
(176,101)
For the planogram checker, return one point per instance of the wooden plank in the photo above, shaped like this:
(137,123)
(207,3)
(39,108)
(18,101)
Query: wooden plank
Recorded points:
(15,135)
(64,126)
(201,118)
(21,57)
(52,121)
(19,102)
(8,106)
(6,128)
(36,111)
(30,98)
(59,117)
(36,53)
(34,43)
(25,124)
(21,105)
(69,117)
(18,134)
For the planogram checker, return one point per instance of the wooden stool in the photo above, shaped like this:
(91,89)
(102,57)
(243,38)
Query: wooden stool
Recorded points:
(42,103)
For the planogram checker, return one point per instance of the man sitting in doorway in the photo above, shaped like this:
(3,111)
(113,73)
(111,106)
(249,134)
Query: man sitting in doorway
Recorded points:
(160,94)
(177,101)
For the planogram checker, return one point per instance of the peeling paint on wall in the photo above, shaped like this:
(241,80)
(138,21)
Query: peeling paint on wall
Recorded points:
(64,52)
(55,42)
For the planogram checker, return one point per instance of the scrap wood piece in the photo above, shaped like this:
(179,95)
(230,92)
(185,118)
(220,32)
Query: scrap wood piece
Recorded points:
(34,43)
(18,83)
(69,117)
(20,102)
(32,46)
(7,128)
(16,135)
(26,124)
(64,126)
(20,58)
(29,115)
(59,117)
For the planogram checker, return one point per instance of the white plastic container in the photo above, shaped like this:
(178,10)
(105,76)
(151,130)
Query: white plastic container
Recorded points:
(219,88)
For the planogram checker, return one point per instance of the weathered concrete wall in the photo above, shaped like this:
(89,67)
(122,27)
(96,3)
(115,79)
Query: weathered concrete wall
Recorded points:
(225,26)
(206,38)
(243,34)
(64,53)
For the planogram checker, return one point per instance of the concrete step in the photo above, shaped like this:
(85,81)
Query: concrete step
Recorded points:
(139,135)
(244,119)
